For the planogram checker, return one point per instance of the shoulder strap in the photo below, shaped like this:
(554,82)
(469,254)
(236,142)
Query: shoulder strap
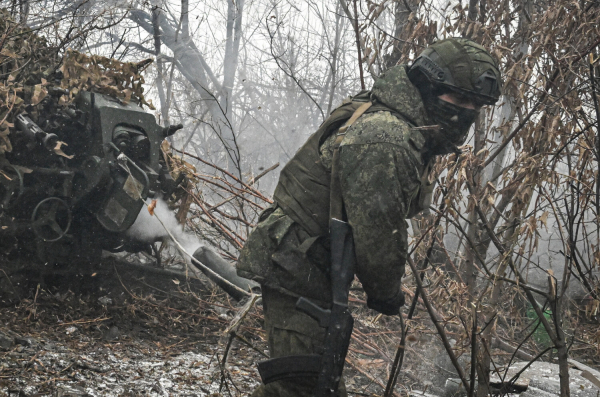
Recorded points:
(336,204)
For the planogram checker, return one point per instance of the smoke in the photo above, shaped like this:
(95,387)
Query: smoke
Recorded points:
(163,224)
(151,228)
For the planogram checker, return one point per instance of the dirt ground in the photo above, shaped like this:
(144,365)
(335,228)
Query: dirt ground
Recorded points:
(117,332)
(120,330)
(112,330)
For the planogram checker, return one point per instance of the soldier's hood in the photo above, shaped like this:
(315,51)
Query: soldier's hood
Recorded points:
(395,90)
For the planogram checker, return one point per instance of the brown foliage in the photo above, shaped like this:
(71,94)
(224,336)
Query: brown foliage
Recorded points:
(32,72)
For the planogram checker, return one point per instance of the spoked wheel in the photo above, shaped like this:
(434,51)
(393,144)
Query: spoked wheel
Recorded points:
(51,219)
(11,186)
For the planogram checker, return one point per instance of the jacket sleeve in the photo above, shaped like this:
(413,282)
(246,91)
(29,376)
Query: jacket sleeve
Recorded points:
(379,180)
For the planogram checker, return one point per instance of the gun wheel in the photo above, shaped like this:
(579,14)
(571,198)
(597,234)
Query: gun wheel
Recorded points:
(11,186)
(51,219)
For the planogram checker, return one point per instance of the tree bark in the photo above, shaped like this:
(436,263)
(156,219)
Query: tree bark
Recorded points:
(334,56)
(164,109)
(190,62)
(402,11)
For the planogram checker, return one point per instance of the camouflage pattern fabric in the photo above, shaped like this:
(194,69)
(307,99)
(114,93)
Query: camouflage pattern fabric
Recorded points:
(286,257)
(464,66)
(383,171)
(382,168)
(290,332)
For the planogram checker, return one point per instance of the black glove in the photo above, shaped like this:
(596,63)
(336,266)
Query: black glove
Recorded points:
(389,307)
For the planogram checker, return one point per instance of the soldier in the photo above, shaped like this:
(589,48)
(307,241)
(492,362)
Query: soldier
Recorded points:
(384,161)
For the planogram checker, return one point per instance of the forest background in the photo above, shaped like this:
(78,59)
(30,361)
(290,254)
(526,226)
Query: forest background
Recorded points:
(516,214)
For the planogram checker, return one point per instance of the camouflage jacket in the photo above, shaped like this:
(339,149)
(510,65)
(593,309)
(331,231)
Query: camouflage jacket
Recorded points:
(383,169)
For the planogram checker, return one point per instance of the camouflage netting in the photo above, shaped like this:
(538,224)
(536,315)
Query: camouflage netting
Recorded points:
(32,73)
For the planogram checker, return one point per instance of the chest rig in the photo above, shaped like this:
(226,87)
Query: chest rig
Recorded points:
(304,188)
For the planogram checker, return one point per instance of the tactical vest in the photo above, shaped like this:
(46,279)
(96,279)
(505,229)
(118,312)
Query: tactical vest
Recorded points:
(304,184)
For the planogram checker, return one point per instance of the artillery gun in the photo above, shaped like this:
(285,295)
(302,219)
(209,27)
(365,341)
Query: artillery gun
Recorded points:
(77,179)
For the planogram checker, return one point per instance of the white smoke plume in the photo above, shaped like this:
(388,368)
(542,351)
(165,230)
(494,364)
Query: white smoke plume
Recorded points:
(148,228)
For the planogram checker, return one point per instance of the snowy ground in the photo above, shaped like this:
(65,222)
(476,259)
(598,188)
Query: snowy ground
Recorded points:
(124,336)
(119,331)
(100,368)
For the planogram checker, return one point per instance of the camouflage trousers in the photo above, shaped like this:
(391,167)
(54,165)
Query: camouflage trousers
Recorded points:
(290,332)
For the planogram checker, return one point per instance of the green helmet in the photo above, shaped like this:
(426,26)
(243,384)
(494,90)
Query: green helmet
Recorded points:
(459,65)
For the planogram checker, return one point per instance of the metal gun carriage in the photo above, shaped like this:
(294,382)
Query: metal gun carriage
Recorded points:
(66,207)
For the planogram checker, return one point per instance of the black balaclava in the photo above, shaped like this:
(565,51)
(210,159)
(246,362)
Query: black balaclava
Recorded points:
(454,121)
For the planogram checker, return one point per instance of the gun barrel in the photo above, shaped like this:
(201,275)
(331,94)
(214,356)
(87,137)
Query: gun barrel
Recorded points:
(34,133)
(27,126)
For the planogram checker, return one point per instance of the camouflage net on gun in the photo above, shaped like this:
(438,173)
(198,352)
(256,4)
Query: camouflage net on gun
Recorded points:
(32,73)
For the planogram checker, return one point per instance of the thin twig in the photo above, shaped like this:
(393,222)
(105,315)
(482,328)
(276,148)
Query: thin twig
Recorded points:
(440,329)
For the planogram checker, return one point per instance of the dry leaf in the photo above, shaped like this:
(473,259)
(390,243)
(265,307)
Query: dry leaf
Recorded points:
(58,150)
(151,207)
(39,93)
(544,218)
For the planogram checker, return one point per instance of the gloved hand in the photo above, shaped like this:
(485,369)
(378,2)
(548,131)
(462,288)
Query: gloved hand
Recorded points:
(389,307)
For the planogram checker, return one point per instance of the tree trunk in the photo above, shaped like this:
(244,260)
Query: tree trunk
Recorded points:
(402,11)
(334,56)
(164,109)
(190,62)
